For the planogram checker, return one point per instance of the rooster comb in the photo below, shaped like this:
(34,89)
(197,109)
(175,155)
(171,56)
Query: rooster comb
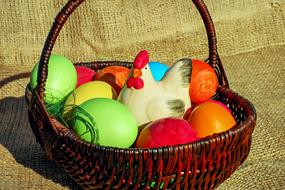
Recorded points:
(141,59)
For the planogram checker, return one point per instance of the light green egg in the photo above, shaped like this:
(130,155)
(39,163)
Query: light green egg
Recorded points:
(115,124)
(61,79)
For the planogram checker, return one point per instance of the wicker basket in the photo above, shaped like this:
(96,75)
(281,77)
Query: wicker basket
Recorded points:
(200,165)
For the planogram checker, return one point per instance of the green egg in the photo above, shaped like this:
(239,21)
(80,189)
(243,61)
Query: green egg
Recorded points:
(114,123)
(61,79)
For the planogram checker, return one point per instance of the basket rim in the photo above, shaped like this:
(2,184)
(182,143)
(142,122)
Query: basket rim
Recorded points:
(250,121)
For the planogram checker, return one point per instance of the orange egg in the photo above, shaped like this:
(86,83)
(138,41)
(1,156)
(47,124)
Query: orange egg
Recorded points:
(211,117)
(121,74)
(204,81)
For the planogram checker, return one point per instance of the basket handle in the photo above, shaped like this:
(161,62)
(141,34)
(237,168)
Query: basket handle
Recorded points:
(71,5)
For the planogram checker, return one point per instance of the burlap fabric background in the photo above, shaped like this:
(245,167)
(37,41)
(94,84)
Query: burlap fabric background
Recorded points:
(251,41)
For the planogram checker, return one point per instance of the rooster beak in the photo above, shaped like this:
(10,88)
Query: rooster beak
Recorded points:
(137,73)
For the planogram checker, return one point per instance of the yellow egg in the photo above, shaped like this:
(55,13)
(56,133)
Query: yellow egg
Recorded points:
(90,90)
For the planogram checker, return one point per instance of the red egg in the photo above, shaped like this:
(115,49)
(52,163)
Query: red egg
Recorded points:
(84,75)
(211,117)
(166,132)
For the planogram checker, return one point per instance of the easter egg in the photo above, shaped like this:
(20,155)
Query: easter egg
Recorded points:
(114,122)
(90,90)
(121,74)
(158,70)
(211,117)
(84,75)
(166,132)
(221,104)
(189,110)
(61,79)
(204,82)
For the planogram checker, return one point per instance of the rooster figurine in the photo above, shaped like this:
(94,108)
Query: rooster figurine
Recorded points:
(150,100)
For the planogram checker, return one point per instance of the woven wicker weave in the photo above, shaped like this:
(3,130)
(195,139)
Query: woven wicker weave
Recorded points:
(200,165)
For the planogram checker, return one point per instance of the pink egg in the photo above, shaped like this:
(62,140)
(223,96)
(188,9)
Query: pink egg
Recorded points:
(84,75)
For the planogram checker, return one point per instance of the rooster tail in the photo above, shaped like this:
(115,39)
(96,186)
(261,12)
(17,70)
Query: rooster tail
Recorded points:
(185,71)
(179,75)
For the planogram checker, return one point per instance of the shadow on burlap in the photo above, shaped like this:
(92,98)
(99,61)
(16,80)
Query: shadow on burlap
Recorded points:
(257,75)
(23,163)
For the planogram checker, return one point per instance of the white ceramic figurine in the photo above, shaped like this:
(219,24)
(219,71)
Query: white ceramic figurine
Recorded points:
(150,100)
